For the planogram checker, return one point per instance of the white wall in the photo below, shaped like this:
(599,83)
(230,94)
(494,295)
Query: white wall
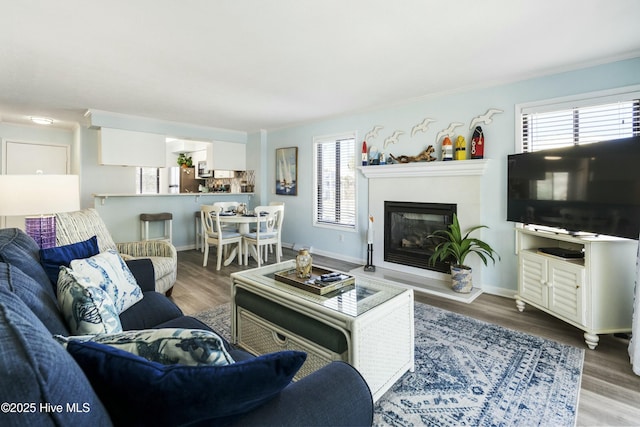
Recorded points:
(298,227)
(446,108)
(35,133)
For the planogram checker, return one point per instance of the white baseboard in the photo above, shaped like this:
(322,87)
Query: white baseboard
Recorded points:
(492,290)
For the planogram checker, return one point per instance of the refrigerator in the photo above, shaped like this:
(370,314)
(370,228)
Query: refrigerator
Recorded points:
(174,180)
(188,181)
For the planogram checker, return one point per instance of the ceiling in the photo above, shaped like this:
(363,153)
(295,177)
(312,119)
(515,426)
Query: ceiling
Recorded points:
(254,64)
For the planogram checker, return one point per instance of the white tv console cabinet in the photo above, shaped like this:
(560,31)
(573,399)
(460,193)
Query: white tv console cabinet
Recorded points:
(594,294)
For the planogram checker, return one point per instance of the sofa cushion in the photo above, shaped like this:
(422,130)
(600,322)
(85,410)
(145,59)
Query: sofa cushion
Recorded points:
(87,309)
(189,347)
(36,370)
(37,298)
(153,309)
(52,258)
(20,250)
(108,271)
(139,392)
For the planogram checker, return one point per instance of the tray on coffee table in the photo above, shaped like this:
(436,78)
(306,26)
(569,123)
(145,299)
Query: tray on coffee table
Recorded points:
(312,284)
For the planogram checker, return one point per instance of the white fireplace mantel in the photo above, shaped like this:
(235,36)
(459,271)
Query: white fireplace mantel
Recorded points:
(426,169)
(457,181)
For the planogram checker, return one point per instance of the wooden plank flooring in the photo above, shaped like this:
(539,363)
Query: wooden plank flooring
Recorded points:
(610,392)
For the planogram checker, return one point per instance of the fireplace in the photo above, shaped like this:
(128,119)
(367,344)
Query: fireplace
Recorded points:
(407,226)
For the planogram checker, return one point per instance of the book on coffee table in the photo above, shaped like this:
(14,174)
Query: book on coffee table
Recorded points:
(322,281)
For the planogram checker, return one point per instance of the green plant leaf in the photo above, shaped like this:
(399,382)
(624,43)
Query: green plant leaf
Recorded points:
(453,245)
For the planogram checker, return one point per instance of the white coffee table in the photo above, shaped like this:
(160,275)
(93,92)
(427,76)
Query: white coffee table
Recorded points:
(375,318)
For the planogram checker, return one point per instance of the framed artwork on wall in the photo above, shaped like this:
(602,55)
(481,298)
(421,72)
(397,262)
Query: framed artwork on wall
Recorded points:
(287,171)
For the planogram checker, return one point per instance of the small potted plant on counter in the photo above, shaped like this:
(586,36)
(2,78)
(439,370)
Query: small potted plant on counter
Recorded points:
(184,160)
(455,247)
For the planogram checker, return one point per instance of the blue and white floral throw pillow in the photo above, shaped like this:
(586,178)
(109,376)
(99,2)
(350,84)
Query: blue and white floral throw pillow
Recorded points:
(109,272)
(168,346)
(87,310)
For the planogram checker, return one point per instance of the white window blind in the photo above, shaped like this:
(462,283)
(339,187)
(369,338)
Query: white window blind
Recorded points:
(583,121)
(335,176)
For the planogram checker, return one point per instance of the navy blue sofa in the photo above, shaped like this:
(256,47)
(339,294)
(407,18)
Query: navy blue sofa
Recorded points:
(41,384)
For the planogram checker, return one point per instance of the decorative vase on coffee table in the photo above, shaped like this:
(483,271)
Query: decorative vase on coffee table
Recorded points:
(461,278)
(304,263)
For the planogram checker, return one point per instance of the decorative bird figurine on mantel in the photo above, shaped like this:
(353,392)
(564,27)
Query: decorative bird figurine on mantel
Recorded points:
(373,133)
(448,131)
(485,118)
(393,138)
(422,126)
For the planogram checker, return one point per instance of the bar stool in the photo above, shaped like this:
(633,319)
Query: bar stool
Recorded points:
(146,218)
(199,233)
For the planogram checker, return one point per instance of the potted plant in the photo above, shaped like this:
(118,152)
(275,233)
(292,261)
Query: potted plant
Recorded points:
(455,247)
(184,160)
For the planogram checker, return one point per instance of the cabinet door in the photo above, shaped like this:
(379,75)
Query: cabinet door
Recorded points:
(566,290)
(532,282)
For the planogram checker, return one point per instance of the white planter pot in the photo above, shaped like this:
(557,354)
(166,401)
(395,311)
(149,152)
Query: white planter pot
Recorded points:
(461,278)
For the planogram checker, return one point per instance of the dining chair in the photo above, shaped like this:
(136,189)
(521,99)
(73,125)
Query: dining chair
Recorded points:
(228,207)
(279,246)
(267,233)
(215,235)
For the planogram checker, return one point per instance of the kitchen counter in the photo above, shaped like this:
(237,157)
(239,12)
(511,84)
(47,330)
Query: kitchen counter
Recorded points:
(104,196)
(121,212)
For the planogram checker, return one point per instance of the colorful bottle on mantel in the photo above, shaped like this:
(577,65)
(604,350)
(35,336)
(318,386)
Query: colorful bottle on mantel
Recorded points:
(461,148)
(447,149)
(365,160)
(477,143)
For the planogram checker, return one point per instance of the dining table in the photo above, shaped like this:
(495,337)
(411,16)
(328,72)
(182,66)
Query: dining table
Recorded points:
(243,222)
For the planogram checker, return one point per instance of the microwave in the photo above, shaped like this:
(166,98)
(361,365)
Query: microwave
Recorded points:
(202,170)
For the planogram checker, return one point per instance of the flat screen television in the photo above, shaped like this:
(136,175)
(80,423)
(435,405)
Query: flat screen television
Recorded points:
(589,188)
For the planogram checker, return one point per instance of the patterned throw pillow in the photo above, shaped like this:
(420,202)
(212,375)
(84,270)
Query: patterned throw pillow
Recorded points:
(169,346)
(88,310)
(136,391)
(109,272)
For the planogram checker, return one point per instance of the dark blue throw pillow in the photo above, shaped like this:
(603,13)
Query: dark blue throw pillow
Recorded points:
(138,392)
(52,258)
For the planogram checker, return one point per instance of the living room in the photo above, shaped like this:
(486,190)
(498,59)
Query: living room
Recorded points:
(614,68)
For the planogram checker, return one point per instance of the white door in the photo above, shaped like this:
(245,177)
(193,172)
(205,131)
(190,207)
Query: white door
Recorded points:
(29,158)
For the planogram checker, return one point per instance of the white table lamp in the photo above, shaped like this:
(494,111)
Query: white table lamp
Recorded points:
(39,197)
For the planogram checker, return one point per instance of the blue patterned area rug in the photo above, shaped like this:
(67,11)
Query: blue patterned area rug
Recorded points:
(472,373)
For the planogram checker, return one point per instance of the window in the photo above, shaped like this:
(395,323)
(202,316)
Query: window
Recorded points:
(147,180)
(591,118)
(335,181)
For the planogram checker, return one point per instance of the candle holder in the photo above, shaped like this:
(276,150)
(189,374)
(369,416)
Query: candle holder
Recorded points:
(370,266)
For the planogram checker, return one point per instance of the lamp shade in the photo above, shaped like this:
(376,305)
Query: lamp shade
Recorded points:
(38,194)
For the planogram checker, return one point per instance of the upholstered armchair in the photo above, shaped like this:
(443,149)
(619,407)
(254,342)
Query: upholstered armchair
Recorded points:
(73,227)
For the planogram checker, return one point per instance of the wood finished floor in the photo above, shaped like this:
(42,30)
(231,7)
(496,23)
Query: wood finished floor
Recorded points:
(610,392)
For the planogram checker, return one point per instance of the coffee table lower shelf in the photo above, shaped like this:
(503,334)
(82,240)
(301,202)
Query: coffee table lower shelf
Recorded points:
(259,336)
(380,341)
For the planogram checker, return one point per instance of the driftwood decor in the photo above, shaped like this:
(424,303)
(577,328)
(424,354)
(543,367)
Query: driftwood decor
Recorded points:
(424,156)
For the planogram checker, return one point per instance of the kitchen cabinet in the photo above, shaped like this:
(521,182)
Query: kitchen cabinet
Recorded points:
(128,148)
(223,155)
(218,174)
(594,293)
